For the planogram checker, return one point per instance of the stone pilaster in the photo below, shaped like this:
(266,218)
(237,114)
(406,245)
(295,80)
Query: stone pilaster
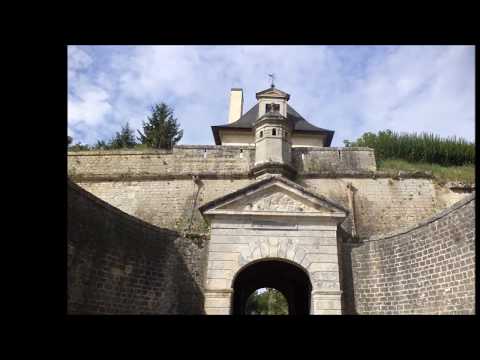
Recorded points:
(217,302)
(326,303)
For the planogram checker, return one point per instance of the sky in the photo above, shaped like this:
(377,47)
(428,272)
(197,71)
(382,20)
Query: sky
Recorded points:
(348,89)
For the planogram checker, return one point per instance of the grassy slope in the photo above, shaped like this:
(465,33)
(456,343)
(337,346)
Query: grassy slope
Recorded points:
(443,174)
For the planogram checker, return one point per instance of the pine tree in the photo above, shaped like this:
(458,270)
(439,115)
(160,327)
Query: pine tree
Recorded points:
(101,145)
(161,131)
(123,139)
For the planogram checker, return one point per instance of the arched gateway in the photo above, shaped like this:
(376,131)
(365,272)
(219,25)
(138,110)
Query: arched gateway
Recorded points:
(273,233)
(285,276)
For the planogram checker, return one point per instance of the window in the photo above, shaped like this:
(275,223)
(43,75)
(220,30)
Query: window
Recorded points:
(261,134)
(274,132)
(272,107)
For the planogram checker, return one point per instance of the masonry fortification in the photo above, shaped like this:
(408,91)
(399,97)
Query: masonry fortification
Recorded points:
(207,161)
(130,213)
(118,264)
(157,186)
(428,269)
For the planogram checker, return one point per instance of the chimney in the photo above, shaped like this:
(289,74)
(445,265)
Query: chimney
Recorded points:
(236,105)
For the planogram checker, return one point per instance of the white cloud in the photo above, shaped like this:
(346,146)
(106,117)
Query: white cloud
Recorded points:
(88,103)
(421,89)
(347,89)
(77,61)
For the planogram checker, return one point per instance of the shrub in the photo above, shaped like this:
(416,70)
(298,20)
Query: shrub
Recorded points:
(415,147)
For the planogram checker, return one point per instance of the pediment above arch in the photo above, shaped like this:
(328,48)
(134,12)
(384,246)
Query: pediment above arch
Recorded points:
(274,196)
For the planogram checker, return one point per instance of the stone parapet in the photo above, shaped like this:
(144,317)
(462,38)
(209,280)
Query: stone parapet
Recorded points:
(210,161)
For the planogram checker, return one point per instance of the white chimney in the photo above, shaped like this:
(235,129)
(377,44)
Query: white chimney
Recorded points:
(236,105)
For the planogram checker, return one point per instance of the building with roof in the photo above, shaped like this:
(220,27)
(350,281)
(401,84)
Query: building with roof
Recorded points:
(239,130)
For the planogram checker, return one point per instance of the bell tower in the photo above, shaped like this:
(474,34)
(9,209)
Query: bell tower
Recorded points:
(272,134)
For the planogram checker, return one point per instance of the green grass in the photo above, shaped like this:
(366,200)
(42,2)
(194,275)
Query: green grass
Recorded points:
(415,147)
(464,173)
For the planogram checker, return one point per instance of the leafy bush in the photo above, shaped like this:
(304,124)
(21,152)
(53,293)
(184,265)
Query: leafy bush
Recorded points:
(268,302)
(415,147)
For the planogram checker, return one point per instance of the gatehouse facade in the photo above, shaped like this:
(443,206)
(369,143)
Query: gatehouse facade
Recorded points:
(273,219)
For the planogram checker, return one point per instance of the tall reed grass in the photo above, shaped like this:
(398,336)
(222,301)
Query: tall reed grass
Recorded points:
(415,147)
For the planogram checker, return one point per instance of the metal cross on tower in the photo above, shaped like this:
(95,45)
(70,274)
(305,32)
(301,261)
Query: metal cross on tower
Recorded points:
(272,76)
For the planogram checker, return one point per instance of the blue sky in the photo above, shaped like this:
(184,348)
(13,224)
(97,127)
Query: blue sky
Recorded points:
(349,89)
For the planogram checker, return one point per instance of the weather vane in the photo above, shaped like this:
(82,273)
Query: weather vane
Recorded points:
(273,77)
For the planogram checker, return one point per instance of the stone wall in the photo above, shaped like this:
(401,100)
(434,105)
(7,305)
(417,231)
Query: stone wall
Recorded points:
(333,160)
(164,203)
(158,186)
(428,269)
(118,264)
(181,162)
(206,160)
(381,205)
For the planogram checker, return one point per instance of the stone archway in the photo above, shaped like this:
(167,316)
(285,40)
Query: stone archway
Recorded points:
(273,219)
(285,276)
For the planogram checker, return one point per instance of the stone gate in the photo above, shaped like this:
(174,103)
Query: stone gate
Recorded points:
(273,219)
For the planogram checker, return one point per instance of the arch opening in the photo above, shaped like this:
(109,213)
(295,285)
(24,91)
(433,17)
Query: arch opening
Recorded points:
(266,301)
(285,277)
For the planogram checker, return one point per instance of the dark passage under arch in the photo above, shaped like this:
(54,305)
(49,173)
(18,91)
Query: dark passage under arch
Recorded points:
(289,279)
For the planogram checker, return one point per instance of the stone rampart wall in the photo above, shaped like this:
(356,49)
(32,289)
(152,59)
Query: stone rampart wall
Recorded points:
(381,205)
(207,161)
(428,269)
(118,264)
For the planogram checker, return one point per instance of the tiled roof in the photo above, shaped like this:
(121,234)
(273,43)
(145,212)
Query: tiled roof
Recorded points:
(248,119)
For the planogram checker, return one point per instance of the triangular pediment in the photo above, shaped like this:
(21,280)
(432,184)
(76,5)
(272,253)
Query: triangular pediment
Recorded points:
(273,93)
(274,196)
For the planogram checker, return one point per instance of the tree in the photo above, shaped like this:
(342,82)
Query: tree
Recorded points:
(101,145)
(269,302)
(161,131)
(76,147)
(123,139)
(79,147)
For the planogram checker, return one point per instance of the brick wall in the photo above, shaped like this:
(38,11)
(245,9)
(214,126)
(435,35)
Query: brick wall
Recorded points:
(429,269)
(118,264)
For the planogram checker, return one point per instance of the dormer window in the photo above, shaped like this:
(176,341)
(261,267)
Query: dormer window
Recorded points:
(272,107)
